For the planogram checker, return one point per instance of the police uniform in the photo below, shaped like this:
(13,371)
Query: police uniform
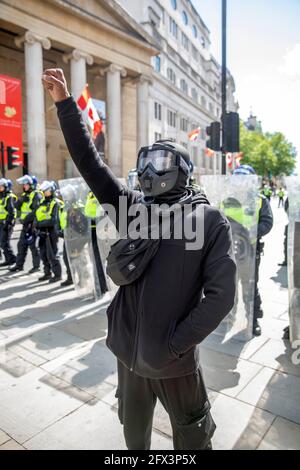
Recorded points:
(8,215)
(92,211)
(47,223)
(27,204)
(264,219)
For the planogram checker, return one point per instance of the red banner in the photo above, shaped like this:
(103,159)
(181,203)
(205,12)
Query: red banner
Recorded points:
(11,114)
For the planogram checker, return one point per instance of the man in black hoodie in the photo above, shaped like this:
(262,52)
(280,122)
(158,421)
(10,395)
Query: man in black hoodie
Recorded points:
(156,323)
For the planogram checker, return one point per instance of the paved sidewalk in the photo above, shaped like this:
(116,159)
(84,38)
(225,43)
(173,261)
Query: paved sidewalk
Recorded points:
(58,380)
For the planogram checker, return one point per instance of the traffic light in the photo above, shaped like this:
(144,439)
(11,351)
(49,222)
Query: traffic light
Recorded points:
(12,158)
(232,133)
(214,134)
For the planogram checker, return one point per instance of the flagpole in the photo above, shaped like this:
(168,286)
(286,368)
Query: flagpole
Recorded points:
(224,81)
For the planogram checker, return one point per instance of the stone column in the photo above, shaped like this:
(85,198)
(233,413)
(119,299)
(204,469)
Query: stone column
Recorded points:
(78,61)
(114,116)
(143,112)
(35,102)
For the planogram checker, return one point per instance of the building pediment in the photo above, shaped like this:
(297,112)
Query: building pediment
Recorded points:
(109,15)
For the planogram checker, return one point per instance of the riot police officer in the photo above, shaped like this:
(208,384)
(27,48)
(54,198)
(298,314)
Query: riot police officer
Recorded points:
(265,224)
(47,223)
(27,204)
(7,220)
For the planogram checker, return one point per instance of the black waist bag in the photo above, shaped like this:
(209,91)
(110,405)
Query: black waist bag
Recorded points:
(129,258)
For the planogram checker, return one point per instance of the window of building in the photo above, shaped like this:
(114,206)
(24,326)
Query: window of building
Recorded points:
(174,4)
(195,31)
(195,95)
(68,168)
(184,124)
(202,41)
(171,75)
(195,53)
(203,101)
(185,18)
(157,64)
(157,136)
(171,118)
(185,41)
(173,28)
(211,108)
(157,111)
(184,86)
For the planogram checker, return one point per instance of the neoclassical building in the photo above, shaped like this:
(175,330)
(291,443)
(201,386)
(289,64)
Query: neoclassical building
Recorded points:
(95,42)
(186,89)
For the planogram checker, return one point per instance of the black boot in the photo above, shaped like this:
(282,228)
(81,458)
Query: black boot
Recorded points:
(16,268)
(67,282)
(54,279)
(4,264)
(256,328)
(46,277)
(286,333)
(33,270)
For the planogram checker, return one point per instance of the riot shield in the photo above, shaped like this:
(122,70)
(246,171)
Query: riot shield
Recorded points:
(86,252)
(293,188)
(77,235)
(238,198)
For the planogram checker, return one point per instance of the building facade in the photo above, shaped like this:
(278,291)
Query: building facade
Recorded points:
(186,88)
(94,42)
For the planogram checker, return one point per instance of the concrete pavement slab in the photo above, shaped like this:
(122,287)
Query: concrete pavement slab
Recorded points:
(11,445)
(28,405)
(227,374)
(282,435)
(275,392)
(94,426)
(277,354)
(239,425)
(3,437)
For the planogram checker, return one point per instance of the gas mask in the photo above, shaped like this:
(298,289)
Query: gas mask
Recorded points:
(163,169)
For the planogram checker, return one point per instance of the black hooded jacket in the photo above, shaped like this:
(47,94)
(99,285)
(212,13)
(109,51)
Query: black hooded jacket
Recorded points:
(156,323)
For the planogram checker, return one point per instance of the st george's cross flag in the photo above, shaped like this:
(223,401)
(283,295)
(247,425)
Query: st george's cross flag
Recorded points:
(89,112)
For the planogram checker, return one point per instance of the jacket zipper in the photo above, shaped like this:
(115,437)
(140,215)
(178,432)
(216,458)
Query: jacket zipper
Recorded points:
(137,328)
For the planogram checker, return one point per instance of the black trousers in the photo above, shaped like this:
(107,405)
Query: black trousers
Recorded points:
(5,237)
(23,249)
(66,261)
(257,299)
(184,399)
(48,245)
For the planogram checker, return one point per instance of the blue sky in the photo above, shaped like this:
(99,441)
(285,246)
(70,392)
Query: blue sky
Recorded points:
(264,58)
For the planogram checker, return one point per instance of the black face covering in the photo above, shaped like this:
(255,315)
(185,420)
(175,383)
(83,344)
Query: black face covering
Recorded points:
(175,189)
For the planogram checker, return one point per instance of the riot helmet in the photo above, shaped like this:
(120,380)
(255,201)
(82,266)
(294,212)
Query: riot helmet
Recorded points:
(163,169)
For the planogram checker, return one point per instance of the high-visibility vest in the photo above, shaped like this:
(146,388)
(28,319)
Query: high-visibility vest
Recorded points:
(92,208)
(281,194)
(44,211)
(26,205)
(3,206)
(62,215)
(239,214)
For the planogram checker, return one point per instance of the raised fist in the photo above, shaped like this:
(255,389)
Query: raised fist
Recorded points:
(54,81)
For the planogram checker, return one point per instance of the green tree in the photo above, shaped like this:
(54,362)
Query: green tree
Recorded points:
(267,153)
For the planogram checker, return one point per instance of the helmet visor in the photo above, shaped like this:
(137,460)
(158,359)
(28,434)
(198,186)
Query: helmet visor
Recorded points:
(24,180)
(161,159)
